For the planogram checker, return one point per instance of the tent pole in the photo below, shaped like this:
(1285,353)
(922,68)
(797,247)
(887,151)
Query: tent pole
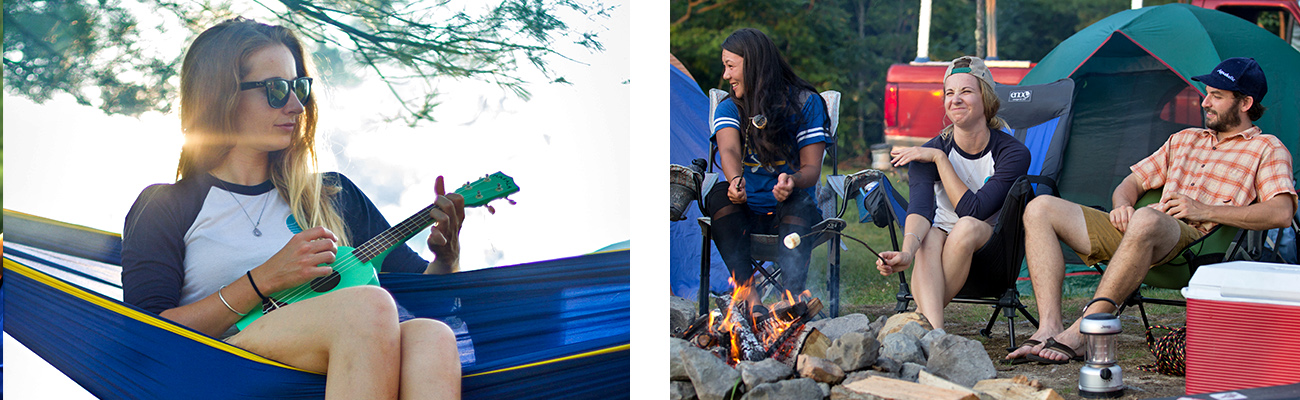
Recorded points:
(991,14)
(923,34)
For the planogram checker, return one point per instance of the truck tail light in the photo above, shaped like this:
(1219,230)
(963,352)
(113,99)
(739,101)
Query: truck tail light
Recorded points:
(891,105)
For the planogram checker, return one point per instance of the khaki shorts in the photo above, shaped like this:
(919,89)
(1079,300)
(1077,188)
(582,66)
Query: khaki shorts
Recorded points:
(1105,238)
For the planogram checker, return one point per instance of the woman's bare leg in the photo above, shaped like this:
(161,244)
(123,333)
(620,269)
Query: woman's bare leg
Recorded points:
(927,277)
(430,361)
(351,335)
(968,236)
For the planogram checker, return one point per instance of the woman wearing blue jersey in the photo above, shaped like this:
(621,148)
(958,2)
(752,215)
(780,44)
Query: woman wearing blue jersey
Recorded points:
(203,251)
(958,182)
(770,133)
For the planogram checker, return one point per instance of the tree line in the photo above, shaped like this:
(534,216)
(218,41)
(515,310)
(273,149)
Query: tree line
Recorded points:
(848,45)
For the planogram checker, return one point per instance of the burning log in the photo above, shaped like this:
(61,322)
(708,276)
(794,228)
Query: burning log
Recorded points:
(746,343)
(705,340)
(742,331)
(789,312)
(796,326)
(700,324)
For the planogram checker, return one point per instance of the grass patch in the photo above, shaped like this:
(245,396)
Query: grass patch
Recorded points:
(862,286)
(860,282)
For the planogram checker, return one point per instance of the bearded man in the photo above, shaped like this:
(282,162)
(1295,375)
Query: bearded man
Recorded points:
(1228,173)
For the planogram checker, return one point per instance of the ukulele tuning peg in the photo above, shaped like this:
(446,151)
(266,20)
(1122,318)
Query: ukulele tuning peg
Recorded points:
(491,210)
(512,202)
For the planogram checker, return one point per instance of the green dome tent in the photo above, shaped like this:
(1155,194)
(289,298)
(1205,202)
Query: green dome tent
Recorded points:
(1133,87)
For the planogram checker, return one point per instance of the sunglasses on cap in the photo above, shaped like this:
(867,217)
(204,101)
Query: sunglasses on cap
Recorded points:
(278,89)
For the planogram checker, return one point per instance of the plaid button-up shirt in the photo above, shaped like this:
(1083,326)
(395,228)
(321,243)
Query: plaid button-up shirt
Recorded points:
(1235,171)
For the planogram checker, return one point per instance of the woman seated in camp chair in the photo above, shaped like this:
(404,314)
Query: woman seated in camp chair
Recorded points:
(770,133)
(958,182)
(203,252)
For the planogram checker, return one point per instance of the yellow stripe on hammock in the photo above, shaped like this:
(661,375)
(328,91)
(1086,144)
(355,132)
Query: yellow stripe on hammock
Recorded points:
(593,353)
(139,316)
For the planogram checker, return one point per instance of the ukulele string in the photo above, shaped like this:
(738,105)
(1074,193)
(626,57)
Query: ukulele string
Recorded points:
(412,224)
(402,229)
(300,292)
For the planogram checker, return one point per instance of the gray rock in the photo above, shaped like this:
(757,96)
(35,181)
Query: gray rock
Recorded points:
(915,330)
(860,375)
(819,369)
(929,339)
(896,322)
(841,392)
(879,323)
(887,364)
(946,341)
(681,312)
(873,333)
(853,351)
(902,348)
(802,388)
(910,371)
(833,328)
(766,371)
(826,389)
(681,391)
(676,367)
(960,360)
(712,377)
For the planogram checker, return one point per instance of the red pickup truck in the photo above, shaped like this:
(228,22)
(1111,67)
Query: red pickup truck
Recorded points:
(914,97)
(914,92)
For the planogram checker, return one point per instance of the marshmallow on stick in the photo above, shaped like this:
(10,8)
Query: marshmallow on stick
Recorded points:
(792,240)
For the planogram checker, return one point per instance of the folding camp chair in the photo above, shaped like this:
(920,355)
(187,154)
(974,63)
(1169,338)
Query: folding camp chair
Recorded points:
(1223,243)
(1004,251)
(1038,116)
(765,247)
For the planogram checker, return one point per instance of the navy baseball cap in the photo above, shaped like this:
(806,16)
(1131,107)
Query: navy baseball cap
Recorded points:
(1237,74)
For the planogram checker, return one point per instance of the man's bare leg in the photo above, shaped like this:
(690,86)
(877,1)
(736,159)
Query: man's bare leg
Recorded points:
(1048,221)
(1151,235)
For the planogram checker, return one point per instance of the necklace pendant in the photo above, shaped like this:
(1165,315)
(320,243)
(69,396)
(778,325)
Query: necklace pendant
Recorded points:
(257,232)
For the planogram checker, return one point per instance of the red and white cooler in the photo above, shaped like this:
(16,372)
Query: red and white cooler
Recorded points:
(1243,326)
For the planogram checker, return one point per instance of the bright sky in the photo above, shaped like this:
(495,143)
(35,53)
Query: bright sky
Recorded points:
(567,148)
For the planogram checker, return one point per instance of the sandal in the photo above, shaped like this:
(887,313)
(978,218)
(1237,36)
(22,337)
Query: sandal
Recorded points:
(1059,348)
(1031,343)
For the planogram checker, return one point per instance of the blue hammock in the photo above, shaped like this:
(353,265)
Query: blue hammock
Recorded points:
(550,329)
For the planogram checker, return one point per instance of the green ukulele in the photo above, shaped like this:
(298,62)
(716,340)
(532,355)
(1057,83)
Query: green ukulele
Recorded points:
(359,266)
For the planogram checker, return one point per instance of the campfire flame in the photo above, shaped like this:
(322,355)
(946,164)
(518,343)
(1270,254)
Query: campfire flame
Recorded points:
(768,323)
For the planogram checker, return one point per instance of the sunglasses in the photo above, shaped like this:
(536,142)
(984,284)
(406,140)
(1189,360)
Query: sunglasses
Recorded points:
(278,89)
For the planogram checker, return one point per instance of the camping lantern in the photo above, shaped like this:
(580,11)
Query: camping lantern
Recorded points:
(1100,375)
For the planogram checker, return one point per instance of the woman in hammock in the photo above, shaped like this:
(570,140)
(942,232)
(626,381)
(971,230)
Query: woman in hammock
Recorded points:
(958,181)
(205,250)
(771,133)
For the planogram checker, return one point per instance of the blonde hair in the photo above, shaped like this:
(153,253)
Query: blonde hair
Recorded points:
(210,77)
(991,105)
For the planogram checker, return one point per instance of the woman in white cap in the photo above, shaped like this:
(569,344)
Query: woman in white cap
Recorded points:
(958,181)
